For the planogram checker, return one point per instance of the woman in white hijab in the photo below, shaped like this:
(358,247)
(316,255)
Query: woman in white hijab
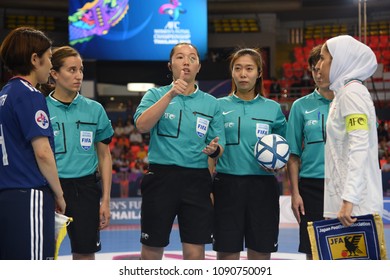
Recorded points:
(353,182)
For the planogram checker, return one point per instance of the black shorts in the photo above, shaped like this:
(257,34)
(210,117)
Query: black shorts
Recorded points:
(312,193)
(82,197)
(170,191)
(246,210)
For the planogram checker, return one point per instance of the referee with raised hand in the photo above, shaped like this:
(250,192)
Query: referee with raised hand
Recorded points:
(186,128)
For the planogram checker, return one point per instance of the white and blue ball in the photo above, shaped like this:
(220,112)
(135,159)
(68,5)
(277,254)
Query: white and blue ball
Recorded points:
(272,151)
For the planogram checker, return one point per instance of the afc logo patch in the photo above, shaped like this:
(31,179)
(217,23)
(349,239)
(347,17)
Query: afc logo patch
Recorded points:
(356,122)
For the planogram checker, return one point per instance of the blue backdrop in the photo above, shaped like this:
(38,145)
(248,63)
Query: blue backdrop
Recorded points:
(136,29)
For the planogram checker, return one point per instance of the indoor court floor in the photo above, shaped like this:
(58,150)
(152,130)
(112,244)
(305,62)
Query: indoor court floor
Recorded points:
(121,242)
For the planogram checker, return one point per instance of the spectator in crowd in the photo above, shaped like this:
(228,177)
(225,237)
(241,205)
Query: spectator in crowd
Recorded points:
(124,142)
(275,88)
(386,166)
(382,131)
(382,147)
(128,128)
(117,150)
(123,174)
(142,153)
(119,128)
(135,137)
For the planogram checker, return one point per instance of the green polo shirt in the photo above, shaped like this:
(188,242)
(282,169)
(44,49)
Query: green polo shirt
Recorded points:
(246,122)
(77,128)
(306,133)
(188,124)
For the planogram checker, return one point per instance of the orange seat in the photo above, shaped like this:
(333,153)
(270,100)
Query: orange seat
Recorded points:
(299,54)
(320,41)
(378,55)
(373,42)
(386,55)
(267,87)
(310,43)
(298,69)
(384,42)
(288,70)
(135,148)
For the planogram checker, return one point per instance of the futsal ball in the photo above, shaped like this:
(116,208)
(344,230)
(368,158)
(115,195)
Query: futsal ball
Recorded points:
(272,151)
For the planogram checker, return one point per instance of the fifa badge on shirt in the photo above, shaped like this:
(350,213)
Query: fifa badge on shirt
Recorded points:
(86,139)
(261,130)
(201,126)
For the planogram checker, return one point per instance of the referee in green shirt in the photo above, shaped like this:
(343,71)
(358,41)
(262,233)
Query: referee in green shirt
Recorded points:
(186,128)
(246,195)
(82,132)
(306,136)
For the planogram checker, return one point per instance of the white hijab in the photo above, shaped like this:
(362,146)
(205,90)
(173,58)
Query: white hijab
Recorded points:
(352,60)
